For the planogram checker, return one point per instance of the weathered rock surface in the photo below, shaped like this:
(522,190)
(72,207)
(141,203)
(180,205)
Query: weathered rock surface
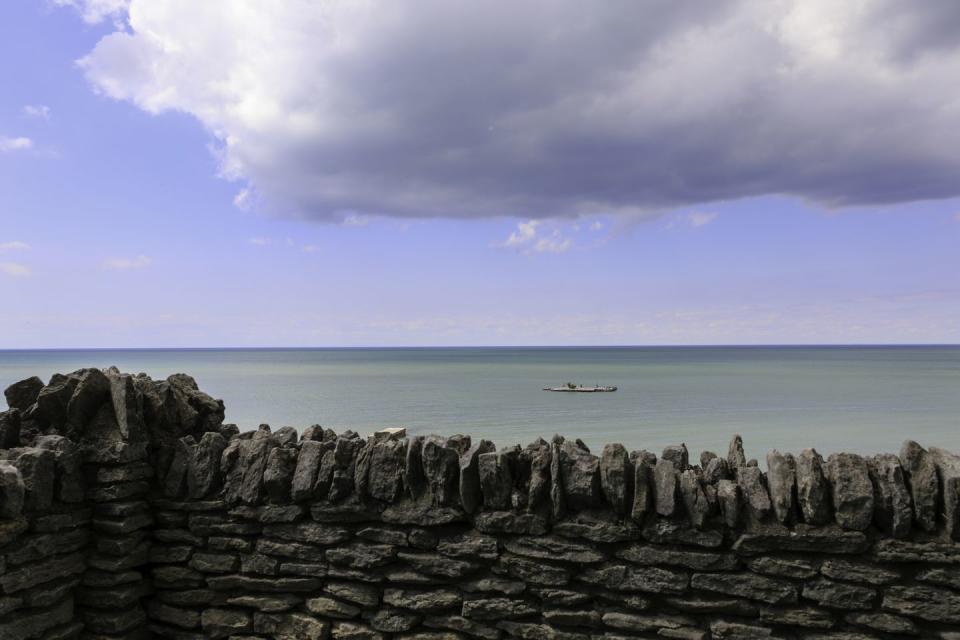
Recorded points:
(851,490)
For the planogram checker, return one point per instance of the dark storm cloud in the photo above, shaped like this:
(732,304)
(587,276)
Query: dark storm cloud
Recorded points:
(543,109)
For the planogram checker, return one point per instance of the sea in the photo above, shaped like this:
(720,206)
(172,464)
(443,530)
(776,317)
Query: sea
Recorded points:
(862,399)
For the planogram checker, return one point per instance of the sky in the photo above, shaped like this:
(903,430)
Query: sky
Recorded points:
(444,172)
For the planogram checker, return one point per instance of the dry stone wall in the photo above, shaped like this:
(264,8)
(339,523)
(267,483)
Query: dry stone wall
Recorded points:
(129,510)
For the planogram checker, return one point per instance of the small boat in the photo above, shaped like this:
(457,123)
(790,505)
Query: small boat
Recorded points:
(579,388)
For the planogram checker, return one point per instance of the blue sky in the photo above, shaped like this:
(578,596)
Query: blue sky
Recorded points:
(191,195)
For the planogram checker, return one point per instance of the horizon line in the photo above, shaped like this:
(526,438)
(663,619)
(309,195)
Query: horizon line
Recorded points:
(503,346)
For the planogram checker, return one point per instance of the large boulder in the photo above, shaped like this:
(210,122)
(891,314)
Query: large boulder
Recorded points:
(441,467)
(893,510)
(579,476)
(851,490)
(20,395)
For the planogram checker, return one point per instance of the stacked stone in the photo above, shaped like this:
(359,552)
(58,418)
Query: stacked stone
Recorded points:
(43,532)
(74,519)
(264,534)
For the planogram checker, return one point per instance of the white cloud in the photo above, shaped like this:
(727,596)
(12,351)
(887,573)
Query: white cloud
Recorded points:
(453,108)
(701,218)
(524,234)
(527,239)
(15,144)
(14,269)
(125,264)
(956,216)
(260,241)
(38,111)
(14,245)
(94,11)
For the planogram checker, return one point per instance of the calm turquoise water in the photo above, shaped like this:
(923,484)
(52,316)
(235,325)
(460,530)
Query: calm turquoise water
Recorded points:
(864,399)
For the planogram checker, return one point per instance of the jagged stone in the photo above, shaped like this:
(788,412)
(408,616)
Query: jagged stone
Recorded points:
(532,572)
(533,631)
(510,522)
(616,478)
(579,476)
(807,617)
(387,461)
(838,595)
(54,397)
(237,583)
(754,492)
(782,482)
(558,507)
(496,609)
(290,626)
(267,604)
(496,481)
(539,458)
(694,498)
(948,473)
(677,455)
(666,482)
(69,481)
(222,623)
(857,572)
(175,482)
(803,539)
(652,555)
(331,608)
(343,470)
(354,631)
(177,616)
(441,467)
(461,624)
(553,548)
(278,474)
(893,510)
(728,497)
(922,482)
(44,571)
(735,455)
(469,546)
(851,490)
(414,479)
(421,600)
(203,476)
(752,587)
(394,620)
(308,466)
(12,492)
(884,622)
(9,429)
(635,622)
(813,493)
(670,532)
(648,579)
(37,469)
(471,495)
(783,567)
(494,585)
(20,395)
(716,470)
(91,391)
(643,491)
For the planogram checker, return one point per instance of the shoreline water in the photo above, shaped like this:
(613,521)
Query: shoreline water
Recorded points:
(834,397)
